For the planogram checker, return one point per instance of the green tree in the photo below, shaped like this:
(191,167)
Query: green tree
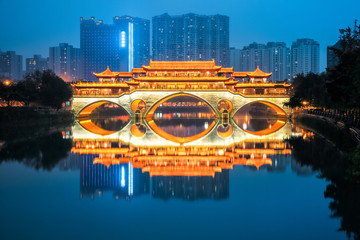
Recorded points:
(51,89)
(26,91)
(343,83)
(7,93)
(310,88)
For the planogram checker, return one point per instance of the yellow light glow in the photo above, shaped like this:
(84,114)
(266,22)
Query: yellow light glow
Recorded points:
(305,103)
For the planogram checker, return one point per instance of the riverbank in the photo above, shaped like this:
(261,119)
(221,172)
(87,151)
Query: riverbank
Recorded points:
(334,152)
(23,123)
(30,116)
(337,132)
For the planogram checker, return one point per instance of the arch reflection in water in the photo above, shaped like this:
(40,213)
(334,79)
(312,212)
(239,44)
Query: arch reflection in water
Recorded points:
(260,118)
(224,131)
(189,173)
(181,118)
(105,119)
(138,130)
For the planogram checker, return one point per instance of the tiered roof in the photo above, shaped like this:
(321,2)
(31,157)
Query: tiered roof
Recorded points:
(106,74)
(182,65)
(259,73)
(227,70)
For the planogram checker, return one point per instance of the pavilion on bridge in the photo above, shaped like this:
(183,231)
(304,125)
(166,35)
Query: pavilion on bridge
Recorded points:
(182,75)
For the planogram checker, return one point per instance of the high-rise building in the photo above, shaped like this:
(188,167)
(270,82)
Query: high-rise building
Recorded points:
(191,37)
(253,56)
(273,57)
(278,61)
(331,57)
(11,65)
(64,60)
(305,57)
(235,59)
(121,46)
(36,63)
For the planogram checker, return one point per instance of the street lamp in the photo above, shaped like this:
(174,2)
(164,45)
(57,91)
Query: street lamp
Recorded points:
(7,82)
(305,103)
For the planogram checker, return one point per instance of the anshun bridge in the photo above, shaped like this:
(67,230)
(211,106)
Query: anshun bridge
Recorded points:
(143,90)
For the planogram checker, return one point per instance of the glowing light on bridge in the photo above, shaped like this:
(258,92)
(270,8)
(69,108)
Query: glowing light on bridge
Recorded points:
(122,177)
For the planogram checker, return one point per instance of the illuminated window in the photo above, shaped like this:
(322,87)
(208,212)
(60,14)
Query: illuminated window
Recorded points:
(122,39)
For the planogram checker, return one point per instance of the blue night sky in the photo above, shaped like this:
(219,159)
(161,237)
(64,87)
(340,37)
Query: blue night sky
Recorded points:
(31,27)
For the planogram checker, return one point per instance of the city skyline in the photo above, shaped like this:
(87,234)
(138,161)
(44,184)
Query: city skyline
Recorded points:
(323,26)
(191,37)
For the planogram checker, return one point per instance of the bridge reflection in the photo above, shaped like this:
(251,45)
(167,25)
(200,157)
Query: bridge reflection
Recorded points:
(184,120)
(173,172)
(182,149)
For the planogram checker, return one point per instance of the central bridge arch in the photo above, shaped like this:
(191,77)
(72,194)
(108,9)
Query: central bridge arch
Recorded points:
(151,122)
(155,105)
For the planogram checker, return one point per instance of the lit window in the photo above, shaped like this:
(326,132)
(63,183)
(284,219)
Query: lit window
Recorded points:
(122,39)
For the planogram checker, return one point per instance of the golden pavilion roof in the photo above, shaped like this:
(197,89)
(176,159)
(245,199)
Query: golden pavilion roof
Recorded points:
(259,73)
(107,74)
(138,70)
(240,74)
(227,70)
(182,79)
(182,65)
(171,66)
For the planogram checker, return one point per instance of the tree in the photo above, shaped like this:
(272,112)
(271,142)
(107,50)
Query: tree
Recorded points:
(343,83)
(52,90)
(310,88)
(7,93)
(26,91)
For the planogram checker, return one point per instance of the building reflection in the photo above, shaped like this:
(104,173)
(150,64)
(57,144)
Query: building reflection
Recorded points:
(122,180)
(188,173)
(191,188)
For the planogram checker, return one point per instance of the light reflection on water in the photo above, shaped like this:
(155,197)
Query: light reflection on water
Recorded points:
(106,119)
(184,116)
(259,119)
(187,172)
(254,184)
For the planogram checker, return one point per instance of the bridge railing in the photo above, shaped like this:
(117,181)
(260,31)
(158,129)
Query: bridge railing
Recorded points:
(96,95)
(121,92)
(235,92)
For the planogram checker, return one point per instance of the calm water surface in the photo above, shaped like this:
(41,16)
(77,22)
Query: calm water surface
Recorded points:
(60,185)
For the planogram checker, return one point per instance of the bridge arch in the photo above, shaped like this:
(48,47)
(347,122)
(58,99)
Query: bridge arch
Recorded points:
(154,106)
(93,128)
(225,104)
(280,122)
(88,125)
(87,110)
(275,127)
(279,110)
(151,123)
(138,104)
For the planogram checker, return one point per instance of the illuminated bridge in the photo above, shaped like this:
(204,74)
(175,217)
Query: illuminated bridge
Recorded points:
(147,87)
(143,90)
